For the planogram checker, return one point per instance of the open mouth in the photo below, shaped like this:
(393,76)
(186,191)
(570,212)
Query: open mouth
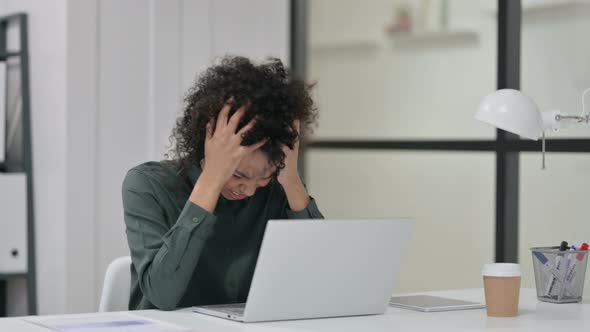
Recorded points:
(237,195)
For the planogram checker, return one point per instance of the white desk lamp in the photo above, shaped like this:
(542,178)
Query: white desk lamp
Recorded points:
(512,111)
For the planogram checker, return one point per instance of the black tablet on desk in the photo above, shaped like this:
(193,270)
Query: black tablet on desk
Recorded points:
(427,303)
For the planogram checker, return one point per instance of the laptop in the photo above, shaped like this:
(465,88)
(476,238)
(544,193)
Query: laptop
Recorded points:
(322,268)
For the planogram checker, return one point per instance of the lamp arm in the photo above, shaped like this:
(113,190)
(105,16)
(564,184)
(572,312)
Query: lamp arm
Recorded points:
(576,118)
(552,119)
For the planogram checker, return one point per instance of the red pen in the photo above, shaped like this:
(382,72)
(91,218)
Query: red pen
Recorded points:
(572,272)
(584,246)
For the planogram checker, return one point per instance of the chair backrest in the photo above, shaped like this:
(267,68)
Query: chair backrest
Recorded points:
(117,286)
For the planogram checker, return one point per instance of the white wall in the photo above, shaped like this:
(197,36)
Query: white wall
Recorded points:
(107,80)
(124,137)
(82,142)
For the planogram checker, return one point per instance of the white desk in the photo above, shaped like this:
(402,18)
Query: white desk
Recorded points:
(533,316)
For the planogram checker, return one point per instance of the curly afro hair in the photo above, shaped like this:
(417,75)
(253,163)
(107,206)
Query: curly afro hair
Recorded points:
(276,99)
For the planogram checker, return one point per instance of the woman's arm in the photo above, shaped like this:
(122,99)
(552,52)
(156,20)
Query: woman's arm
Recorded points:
(297,195)
(301,205)
(164,258)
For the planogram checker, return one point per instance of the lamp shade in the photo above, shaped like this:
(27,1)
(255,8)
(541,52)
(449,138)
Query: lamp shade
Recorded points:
(511,110)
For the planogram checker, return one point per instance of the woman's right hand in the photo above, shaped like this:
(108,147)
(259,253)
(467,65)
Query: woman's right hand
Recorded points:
(223,149)
(223,153)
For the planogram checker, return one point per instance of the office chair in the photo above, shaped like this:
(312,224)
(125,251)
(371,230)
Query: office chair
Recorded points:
(117,286)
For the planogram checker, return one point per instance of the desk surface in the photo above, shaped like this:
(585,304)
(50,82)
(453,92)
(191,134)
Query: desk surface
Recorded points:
(533,316)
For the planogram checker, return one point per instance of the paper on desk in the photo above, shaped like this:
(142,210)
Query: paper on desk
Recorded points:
(112,322)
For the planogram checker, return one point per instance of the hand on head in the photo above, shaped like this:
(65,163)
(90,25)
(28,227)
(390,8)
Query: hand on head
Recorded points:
(223,143)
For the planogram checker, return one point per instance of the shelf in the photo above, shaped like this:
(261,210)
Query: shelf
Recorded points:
(341,45)
(549,6)
(424,38)
(434,38)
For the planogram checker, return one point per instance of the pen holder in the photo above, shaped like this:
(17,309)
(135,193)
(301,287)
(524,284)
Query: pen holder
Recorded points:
(559,275)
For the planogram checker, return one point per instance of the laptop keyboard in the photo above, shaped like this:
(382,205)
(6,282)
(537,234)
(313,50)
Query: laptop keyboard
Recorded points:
(234,309)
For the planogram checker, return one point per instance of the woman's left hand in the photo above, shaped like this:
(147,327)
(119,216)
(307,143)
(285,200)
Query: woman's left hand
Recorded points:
(289,175)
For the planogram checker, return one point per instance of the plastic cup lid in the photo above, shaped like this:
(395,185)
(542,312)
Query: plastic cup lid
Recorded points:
(501,270)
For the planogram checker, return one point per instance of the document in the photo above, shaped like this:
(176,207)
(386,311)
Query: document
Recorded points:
(108,322)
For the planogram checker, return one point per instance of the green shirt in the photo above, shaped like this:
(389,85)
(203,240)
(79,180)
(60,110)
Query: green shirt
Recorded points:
(185,256)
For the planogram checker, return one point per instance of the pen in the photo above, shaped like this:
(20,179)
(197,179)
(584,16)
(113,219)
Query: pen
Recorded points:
(545,262)
(558,259)
(583,247)
(568,261)
(572,272)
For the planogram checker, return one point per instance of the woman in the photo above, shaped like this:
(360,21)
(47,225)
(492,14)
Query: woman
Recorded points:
(195,223)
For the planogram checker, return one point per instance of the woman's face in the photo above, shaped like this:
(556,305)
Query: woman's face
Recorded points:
(254,171)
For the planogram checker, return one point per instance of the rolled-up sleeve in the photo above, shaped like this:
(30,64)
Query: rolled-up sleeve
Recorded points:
(310,212)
